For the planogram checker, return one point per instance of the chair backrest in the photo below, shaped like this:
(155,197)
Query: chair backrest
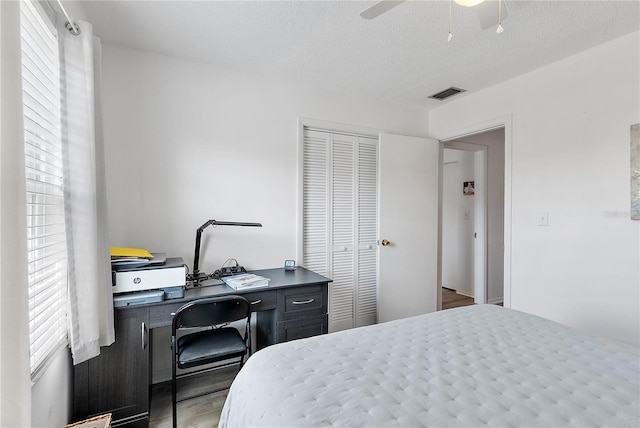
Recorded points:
(212,311)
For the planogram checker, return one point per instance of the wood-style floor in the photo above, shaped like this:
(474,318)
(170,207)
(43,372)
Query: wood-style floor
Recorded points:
(451,299)
(204,411)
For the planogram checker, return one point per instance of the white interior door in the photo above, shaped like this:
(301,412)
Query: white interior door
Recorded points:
(409,196)
(480,227)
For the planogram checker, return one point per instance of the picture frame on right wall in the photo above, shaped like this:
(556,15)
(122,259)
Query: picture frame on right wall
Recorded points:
(635,171)
(468,188)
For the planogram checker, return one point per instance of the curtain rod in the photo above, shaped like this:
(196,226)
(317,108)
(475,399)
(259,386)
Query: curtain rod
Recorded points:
(73,28)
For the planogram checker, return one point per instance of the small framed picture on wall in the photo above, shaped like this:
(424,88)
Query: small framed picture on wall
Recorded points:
(468,187)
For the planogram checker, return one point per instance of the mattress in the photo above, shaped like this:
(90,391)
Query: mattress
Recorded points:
(480,365)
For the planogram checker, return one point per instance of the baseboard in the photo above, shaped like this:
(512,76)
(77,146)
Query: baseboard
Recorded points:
(462,293)
(496,301)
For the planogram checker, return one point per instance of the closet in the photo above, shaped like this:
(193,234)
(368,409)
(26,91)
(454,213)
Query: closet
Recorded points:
(340,221)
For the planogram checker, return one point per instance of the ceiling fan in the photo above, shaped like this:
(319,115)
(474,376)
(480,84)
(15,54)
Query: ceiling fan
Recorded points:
(490,13)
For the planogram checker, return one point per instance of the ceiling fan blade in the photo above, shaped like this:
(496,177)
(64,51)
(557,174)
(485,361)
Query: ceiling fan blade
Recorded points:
(488,13)
(380,8)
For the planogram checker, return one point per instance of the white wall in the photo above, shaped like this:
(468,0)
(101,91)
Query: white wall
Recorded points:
(457,222)
(186,142)
(52,394)
(570,157)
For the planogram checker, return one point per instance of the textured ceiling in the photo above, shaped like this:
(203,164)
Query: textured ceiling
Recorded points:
(401,56)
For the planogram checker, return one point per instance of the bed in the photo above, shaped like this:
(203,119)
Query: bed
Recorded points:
(480,365)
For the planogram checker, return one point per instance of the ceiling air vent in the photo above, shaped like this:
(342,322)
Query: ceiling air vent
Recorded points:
(449,92)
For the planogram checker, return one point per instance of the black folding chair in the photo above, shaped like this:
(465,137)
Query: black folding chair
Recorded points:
(216,342)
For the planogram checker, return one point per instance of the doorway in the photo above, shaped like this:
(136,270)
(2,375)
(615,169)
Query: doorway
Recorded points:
(473,246)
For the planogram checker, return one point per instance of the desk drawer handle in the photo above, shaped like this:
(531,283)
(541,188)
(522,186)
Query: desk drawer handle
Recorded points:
(256,302)
(306,302)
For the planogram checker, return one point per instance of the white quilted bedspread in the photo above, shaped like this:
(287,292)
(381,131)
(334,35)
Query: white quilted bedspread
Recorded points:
(467,367)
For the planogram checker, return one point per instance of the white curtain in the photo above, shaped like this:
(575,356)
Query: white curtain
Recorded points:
(90,296)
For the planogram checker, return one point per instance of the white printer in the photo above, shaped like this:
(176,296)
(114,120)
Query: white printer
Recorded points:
(149,283)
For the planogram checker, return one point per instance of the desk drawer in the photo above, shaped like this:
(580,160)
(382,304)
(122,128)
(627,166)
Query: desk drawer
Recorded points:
(302,302)
(262,300)
(160,315)
(302,328)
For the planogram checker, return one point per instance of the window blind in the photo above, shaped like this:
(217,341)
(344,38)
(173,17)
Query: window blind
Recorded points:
(46,239)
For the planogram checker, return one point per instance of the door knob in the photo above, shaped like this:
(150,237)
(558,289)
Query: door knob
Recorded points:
(385,242)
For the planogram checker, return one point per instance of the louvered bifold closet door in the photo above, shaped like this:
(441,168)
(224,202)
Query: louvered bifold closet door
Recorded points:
(367,220)
(343,191)
(340,205)
(315,210)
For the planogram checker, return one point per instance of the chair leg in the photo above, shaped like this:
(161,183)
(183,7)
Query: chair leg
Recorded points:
(173,388)
(249,339)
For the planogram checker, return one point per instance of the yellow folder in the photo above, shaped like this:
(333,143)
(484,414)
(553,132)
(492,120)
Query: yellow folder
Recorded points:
(130,252)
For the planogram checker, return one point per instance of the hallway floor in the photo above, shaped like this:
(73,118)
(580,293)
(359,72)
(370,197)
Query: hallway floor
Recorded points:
(451,299)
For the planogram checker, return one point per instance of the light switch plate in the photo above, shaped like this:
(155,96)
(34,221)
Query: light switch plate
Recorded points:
(543,218)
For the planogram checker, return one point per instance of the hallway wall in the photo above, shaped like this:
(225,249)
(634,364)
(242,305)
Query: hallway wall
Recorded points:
(457,222)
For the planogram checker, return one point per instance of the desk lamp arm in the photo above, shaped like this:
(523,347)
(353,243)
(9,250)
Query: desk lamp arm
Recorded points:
(196,256)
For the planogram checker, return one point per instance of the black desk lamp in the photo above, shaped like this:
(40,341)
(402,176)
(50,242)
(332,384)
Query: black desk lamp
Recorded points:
(196,274)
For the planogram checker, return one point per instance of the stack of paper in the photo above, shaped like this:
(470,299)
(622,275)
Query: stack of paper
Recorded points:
(134,257)
(245,281)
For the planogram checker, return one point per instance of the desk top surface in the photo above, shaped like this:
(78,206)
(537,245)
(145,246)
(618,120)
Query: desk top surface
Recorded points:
(279,278)
(286,278)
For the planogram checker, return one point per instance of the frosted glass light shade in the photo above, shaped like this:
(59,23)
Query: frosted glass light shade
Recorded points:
(468,3)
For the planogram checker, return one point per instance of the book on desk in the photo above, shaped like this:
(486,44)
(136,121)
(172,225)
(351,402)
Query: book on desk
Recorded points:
(246,281)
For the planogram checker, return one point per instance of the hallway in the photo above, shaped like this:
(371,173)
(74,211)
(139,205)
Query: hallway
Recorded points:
(451,299)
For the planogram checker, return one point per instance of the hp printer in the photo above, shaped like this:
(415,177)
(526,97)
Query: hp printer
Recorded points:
(149,283)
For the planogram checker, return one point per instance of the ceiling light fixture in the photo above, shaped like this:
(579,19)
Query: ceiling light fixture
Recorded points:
(468,3)
(499,30)
(450,34)
(471,3)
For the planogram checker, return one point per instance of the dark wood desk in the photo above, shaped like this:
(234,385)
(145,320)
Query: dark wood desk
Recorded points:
(118,381)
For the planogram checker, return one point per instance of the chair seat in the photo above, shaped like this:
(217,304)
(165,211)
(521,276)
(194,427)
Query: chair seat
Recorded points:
(209,346)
